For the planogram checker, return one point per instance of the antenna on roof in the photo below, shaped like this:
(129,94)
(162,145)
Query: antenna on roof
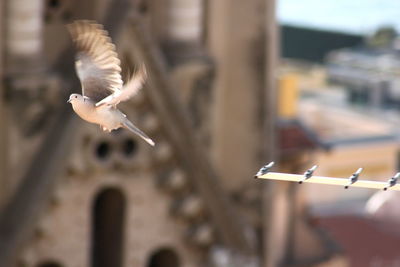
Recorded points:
(353,181)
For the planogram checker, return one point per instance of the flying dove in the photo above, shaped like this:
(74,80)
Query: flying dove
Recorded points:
(99,71)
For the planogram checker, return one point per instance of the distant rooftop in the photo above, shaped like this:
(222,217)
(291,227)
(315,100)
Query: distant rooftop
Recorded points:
(357,16)
(335,124)
(362,63)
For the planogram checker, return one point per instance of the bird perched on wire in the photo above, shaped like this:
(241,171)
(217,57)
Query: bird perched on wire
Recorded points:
(99,71)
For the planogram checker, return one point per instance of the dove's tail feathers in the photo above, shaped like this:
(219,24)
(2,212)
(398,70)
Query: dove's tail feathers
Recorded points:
(129,125)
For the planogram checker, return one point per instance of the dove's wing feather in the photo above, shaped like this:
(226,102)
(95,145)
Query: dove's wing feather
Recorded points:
(130,89)
(97,63)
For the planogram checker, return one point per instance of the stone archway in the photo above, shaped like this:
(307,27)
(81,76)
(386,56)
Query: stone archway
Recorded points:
(164,257)
(108,216)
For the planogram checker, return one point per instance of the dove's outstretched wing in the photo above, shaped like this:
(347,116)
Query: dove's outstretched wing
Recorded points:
(97,63)
(130,89)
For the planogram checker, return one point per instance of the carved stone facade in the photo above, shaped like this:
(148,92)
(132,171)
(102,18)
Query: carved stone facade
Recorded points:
(75,196)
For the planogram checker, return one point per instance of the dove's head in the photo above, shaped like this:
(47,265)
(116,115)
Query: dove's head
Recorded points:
(75,98)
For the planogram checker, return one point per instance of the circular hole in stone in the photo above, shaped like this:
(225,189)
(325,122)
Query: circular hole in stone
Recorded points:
(53,3)
(47,17)
(103,150)
(67,16)
(129,147)
(142,8)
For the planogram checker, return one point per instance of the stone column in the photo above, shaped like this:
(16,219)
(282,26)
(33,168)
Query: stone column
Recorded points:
(3,116)
(24,35)
(185,20)
(236,41)
(242,40)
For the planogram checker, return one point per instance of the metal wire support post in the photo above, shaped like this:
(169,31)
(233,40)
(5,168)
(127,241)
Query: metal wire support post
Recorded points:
(392,181)
(308,173)
(264,169)
(353,178)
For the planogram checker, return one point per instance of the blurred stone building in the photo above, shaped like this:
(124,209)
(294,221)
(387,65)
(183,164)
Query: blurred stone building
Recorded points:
(74,196)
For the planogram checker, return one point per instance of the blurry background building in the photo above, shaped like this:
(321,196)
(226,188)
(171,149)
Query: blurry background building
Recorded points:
(348,101)
(219,105)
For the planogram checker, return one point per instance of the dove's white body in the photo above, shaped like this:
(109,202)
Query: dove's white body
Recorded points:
(108,117)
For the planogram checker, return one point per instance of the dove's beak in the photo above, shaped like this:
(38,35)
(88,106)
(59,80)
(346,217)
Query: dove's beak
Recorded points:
(69,100)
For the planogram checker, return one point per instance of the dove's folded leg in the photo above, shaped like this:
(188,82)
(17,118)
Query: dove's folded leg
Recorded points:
(129,125)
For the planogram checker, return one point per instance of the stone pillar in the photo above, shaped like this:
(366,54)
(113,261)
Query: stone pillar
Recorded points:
(24,35)
(185,20)
(236,40)
(182,42)
(3,115)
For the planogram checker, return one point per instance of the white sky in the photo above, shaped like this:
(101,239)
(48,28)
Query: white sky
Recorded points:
(356,16)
